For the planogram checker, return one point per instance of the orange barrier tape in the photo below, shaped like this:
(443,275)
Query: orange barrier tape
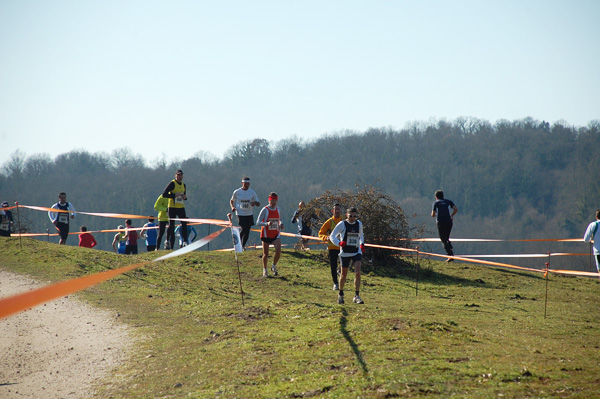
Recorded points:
(21,302)
(494,240)
(124,215)
(484,262)
(30,299)
(524,255)
(465,258)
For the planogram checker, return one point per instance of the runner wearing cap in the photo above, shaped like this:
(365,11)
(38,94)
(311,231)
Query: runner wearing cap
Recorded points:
(242,201)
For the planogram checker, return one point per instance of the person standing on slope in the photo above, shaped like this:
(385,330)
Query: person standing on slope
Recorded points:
(177,194)
(591,234)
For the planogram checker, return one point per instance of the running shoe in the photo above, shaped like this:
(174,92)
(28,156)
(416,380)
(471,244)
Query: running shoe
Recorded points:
(274,269)
(340,299)
(336,287)
(357,299)
(265,273)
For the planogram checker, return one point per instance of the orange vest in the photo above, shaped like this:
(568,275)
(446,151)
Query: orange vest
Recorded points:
(271,231)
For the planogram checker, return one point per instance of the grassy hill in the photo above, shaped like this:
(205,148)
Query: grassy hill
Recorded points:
(469,331)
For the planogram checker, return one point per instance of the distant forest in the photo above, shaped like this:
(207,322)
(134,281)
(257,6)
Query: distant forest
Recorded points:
(518,179)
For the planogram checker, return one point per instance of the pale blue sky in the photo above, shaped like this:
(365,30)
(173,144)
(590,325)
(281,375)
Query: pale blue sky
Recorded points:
(178,77)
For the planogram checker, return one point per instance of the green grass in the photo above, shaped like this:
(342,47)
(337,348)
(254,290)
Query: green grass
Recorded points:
(471,332)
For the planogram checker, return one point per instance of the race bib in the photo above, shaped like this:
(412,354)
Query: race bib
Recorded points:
(275,225)
(179,200)
(63,218)
(352,239)
(4,226)
(245,204)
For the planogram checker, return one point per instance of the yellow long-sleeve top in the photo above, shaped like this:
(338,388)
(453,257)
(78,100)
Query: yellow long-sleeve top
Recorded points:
(161,206)
(326,230)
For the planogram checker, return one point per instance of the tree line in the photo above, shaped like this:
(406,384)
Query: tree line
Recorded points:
(511,179)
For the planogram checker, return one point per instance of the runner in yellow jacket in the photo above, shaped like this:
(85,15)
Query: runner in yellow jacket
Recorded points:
(334,250)
(161,205)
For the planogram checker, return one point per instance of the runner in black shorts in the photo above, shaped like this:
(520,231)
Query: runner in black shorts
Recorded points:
(61,219)
(348,234)
(270,221)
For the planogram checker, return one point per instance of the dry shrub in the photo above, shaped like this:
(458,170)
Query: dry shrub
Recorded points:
(384,222)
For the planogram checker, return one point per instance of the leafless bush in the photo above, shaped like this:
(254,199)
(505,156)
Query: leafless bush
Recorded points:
(384,222)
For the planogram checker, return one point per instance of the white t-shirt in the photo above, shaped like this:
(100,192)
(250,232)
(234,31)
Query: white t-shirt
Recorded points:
(242,199)
(589,236)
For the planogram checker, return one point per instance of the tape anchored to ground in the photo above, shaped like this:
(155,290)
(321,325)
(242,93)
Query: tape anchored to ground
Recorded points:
(27,300)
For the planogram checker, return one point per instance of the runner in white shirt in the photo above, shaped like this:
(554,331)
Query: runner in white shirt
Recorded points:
(348,235)
(61,219)
(242,201)
(593,233)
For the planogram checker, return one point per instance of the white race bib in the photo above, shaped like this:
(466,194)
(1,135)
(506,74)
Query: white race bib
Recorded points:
(275,225)
(352,239)
(63,218)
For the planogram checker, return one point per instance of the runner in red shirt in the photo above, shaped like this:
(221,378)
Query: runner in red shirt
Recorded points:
(270,221)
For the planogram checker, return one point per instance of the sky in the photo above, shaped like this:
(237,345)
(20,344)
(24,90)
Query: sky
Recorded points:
(176,79)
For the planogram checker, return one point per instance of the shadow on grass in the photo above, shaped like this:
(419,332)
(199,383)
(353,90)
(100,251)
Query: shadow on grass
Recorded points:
(301,254)
(353,345)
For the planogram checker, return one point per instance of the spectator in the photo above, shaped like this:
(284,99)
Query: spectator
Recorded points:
(304,219)
(86,239)
(149,233)
(131,237)
(119,240)
(6,220)
(590,235)
(191,235)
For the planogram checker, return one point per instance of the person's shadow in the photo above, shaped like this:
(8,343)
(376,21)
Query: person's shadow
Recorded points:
(353,345)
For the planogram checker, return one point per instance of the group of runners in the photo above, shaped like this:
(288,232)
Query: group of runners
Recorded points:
(345,238)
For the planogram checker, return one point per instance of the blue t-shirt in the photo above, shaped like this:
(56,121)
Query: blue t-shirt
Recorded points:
(442,209)
(151,234)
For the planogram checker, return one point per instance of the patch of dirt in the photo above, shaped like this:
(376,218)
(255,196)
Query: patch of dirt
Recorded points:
(60,349)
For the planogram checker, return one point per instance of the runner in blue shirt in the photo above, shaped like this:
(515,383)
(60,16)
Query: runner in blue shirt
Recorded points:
(149,233)
(441,210)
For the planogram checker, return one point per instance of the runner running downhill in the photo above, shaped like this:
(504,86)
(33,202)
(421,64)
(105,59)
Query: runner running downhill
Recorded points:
(348,234)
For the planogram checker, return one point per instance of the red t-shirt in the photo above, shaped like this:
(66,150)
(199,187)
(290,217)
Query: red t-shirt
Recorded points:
(87,240)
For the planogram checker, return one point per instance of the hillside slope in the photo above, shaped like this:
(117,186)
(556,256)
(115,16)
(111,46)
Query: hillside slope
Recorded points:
(461,330)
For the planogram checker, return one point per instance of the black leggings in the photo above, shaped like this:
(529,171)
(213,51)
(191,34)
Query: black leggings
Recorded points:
(444,229)
(333,263)
(161,231)
(176,213)
(246,222)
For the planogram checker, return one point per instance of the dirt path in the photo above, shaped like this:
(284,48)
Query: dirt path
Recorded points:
(56,350)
